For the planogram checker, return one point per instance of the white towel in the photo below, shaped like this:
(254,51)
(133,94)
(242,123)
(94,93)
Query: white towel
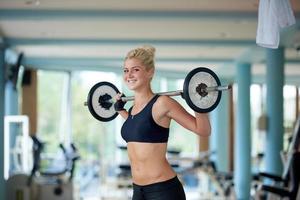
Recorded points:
(285,16)
(272,16)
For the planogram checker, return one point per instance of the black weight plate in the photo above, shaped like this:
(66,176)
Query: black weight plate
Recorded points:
(197,102)
(102,89)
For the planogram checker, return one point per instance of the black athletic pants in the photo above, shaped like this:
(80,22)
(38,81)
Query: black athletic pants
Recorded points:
(167,190)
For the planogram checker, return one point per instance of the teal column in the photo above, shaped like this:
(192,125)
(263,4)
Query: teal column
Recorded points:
(2,82)
(274,101)
(11,107)
(11,104)
(219,140)
(11,99)
(242,148)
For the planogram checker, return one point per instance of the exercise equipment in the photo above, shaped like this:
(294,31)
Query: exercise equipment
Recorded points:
(49,178)
(202,91)
(288,183)
(287,190)
(203,173)
(16,151)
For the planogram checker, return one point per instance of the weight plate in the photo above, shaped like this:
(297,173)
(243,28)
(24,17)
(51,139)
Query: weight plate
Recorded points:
(199,78)
(102,91)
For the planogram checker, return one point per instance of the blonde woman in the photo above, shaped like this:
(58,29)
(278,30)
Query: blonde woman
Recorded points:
(146,129)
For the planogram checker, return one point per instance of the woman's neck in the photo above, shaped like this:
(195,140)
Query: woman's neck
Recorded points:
(143,97)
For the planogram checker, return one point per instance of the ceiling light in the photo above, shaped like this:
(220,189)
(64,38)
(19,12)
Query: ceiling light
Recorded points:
(32,2)
(223,35)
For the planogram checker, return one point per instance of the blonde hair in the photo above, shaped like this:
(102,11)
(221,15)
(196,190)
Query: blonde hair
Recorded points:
(145,54)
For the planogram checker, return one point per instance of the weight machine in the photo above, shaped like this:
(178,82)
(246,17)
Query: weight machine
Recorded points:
(45,183)
(286,185)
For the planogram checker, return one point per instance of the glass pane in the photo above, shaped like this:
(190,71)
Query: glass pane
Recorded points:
(258,126)
(257,116)
(50,86)
(95,140)
(289,93)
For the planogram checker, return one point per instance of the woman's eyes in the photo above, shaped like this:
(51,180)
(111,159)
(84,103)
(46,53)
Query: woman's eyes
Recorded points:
(135,70)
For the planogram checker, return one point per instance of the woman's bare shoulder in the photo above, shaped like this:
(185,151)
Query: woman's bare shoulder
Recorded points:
(166,102)
(163,99)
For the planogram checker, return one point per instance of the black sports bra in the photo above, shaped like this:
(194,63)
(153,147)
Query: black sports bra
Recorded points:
(142,127)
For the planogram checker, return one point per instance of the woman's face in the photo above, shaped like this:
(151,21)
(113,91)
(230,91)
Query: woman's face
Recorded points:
(135,74)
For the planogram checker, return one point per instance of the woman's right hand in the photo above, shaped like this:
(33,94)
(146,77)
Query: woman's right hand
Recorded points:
(119,104)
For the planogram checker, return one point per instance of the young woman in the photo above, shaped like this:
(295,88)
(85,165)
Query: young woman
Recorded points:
(146,129)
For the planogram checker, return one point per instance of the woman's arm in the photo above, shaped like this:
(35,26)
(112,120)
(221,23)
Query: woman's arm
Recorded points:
(198,124)
(203,124)
(123,113)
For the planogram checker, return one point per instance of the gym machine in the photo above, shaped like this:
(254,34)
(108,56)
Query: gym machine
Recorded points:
(45,183)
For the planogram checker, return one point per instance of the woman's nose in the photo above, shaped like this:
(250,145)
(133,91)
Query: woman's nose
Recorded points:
(130,74)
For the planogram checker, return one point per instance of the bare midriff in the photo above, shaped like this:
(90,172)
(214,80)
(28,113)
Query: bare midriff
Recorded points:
(148,163)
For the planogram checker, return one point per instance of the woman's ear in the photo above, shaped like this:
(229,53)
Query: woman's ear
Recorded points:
(151,72)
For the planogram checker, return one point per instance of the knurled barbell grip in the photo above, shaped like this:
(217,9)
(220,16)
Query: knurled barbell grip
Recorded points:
(171,93)
(218,88)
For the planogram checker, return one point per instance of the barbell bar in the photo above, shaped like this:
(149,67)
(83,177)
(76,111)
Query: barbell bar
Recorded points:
(171,93)
(201,90)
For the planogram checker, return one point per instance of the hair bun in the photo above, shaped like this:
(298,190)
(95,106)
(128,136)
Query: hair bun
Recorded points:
(150,49)
(145,54)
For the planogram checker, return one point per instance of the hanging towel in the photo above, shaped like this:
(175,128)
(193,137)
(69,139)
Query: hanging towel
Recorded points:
(284,12)
(273,15)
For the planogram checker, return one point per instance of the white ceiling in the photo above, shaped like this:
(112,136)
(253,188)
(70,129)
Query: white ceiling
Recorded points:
(96,34)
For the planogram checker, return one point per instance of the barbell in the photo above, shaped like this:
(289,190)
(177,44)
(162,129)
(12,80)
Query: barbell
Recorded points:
(202,91)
